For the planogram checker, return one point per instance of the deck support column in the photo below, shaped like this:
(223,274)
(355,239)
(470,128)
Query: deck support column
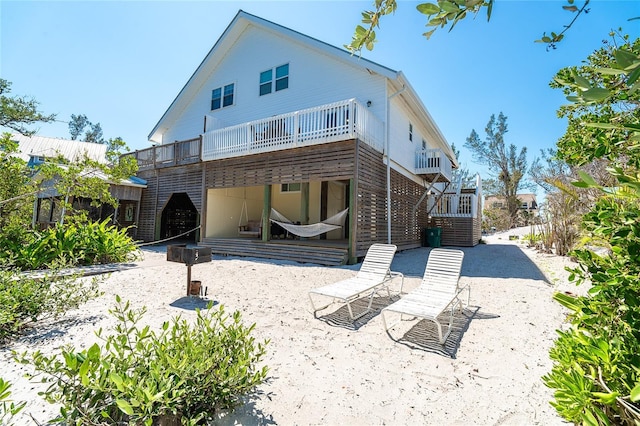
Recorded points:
(351,257)
(266,212)
(304,203)
(203,207)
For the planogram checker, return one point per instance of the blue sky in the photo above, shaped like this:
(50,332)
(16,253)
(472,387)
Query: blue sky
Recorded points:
(122,63)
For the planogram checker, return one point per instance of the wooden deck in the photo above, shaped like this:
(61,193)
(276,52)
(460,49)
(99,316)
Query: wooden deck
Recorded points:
(321,252)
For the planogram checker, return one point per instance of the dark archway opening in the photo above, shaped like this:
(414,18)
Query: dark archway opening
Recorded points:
(179,216)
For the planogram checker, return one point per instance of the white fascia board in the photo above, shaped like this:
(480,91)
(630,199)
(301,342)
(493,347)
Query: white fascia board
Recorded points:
(228,38)
(421,110)
(194,84)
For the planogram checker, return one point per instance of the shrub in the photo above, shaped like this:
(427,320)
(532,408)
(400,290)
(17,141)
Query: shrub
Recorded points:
(71,244)
(24,300)
(8,408)
(182,372)
(596,372)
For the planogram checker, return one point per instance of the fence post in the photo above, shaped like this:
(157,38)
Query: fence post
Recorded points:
(296,129)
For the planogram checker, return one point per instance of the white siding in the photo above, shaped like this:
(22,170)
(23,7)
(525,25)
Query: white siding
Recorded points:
(402,150)
(314,79)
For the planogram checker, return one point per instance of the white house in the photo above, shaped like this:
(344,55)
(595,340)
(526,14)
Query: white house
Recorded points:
(273,118)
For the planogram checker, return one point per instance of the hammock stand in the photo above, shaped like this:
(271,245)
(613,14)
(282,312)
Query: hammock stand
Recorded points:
(305,231)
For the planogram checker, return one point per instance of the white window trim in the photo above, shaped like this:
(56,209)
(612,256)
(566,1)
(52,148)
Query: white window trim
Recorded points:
(274,78)
(221,87)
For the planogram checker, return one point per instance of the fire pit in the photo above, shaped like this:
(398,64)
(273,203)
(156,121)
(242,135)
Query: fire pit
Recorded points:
(180,253)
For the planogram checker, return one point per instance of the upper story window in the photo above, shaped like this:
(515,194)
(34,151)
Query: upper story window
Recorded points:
(424,144)
(278,77)
(222,96)
(411,132)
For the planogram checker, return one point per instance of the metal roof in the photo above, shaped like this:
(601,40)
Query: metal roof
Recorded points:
(71,150)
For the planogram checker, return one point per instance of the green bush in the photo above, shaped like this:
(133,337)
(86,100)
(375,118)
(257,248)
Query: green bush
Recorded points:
(8,408)
(181,373)
(24,300)
(70,244)
(596,372)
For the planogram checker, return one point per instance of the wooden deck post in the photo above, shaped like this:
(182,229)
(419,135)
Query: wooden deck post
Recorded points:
(266,212)
(304,203)
(351,257)
(203,206)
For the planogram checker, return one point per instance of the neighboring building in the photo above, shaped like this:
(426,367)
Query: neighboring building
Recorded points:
(273,118)
(36,150)
(527,202)
(528,212)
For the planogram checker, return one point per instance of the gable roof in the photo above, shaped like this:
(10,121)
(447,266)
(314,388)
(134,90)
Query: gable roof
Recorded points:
(72,150)
(232,33)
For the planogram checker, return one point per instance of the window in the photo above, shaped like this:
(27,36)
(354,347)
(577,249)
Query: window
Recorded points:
(424,144)
(222,97)
(281,79)
(411,132)
(290,187)
(265,82)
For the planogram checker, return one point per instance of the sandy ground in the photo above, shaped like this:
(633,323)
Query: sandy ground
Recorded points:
(330,371)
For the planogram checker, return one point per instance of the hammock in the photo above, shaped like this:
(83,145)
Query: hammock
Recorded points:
(334,222)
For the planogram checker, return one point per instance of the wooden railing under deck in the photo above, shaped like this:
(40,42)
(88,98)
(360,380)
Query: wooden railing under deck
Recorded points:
(170,154)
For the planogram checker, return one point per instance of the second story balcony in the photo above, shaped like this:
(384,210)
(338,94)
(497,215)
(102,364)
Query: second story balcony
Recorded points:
(326,123)
(433,163)
(333,122)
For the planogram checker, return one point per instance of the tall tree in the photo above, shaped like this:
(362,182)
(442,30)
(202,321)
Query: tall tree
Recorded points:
(79,123)
(507,164)
(17,113)
(462,174)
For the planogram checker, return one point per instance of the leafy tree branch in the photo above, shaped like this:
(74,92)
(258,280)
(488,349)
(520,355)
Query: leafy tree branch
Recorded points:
(445,13)
(18,113)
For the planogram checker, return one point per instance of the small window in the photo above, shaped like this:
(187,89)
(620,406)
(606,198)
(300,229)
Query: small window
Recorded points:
(411,132)
(524,205)
(222,96)
(281,79)
(424,144)
(265,82)
(228,95)
(290,187)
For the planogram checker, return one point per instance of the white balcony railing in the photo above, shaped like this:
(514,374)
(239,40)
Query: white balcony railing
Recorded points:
(433,161)
(453,205)
(327,123)
(457,204)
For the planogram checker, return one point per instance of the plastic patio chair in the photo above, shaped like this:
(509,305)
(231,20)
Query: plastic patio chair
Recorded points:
(438,291)
(374,275)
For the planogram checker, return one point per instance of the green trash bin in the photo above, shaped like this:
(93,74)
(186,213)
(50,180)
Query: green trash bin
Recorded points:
(423,238)
(433,236)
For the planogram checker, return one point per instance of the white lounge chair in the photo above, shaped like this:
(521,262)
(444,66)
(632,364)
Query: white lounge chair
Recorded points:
(373,276)
(438,291)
